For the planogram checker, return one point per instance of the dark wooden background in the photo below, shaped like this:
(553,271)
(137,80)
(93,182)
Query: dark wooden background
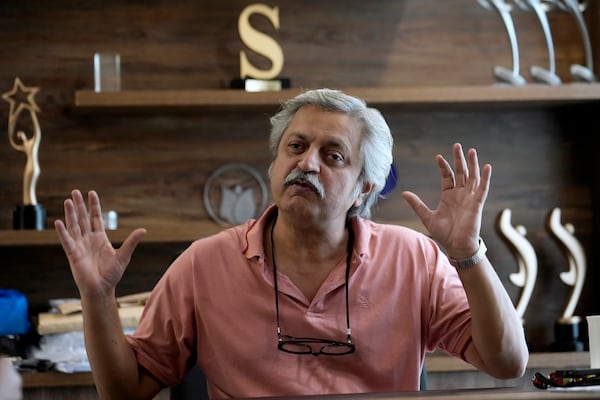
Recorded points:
(151,166)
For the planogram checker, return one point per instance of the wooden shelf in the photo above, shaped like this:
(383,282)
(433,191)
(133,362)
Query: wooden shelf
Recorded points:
(156,234)
(56,379)
(528,95)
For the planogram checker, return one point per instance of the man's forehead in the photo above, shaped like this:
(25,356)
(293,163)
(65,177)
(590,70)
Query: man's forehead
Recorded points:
(314,119)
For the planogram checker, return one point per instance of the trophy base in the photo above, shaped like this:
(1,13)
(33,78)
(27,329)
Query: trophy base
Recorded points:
(260,85)
(567,334)
(29,216)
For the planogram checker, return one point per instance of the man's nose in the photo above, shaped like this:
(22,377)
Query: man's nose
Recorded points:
(309,161)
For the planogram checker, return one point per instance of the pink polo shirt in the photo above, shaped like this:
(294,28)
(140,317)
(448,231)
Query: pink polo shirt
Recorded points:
(215,307)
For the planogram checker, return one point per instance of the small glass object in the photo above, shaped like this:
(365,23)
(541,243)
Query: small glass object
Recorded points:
(107,72)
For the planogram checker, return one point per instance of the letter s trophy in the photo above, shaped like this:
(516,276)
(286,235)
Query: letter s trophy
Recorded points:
(254,78)
(30,214)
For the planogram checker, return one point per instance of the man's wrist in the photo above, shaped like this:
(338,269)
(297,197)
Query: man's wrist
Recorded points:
(475,259)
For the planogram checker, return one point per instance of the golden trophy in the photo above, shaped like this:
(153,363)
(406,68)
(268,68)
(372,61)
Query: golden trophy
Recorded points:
(29,214)
(254,78)
(567,328)
(523,251)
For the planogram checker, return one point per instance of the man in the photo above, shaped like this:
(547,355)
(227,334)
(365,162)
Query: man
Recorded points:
(10,380)
(312,297)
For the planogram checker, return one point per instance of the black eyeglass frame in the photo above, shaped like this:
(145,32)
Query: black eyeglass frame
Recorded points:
(307,343)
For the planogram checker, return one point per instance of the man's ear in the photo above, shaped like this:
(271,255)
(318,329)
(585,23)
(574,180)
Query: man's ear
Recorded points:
(367,187)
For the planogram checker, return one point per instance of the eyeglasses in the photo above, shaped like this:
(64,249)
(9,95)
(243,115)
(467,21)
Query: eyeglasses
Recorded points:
(314,346)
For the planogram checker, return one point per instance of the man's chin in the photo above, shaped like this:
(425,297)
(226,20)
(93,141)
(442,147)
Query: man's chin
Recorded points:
(301,205)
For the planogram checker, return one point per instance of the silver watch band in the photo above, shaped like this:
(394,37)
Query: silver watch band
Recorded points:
(471,261)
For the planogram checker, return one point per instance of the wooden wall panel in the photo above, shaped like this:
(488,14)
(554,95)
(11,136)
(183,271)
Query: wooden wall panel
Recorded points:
(151,167)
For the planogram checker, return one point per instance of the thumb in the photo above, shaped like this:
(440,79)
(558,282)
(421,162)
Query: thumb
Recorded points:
(129,245)
(417,205)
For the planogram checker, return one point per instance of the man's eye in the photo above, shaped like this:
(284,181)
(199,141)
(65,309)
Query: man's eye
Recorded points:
(336,157)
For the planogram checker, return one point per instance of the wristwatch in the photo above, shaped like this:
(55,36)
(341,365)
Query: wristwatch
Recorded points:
(473,260)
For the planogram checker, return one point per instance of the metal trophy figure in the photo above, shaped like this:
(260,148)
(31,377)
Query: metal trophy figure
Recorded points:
(567,328)
(582,73)
(524,252)
(503,8)
(538,73)
(30,214)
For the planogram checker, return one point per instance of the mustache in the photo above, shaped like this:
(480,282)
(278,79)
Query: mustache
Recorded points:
(302,177)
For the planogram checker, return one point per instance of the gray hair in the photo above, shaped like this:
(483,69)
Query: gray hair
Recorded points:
(376,146)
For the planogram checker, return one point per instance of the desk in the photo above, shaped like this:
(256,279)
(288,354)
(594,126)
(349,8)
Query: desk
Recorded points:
(448,377)
(445,372)
(457,394)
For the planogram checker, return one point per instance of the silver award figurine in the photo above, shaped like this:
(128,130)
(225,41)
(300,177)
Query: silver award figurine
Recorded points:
(544,75)
(506,75)
(567,327)
(30,214)
(582,73)
(524,252)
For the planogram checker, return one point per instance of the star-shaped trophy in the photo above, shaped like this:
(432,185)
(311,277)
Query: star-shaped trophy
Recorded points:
(29,214)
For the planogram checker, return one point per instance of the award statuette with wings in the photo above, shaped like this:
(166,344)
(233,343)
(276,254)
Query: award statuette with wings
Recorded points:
(29,214)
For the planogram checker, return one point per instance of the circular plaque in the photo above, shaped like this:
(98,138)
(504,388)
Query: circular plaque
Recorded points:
(235,193)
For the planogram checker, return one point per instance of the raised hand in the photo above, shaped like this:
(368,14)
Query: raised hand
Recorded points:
(97,267)
(456,222)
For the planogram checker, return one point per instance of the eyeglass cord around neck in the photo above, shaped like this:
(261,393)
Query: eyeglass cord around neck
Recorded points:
(348,260)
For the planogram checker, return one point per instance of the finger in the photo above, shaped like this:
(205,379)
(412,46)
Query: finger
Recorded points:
(446,173)
(420,208)
(71,223)
(473,162)
(97,223)
(484,184)
(129,245)
(81,211)
(66,241)
(460,166)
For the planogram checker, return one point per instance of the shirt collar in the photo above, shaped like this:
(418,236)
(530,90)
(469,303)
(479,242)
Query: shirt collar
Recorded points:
(254,235)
